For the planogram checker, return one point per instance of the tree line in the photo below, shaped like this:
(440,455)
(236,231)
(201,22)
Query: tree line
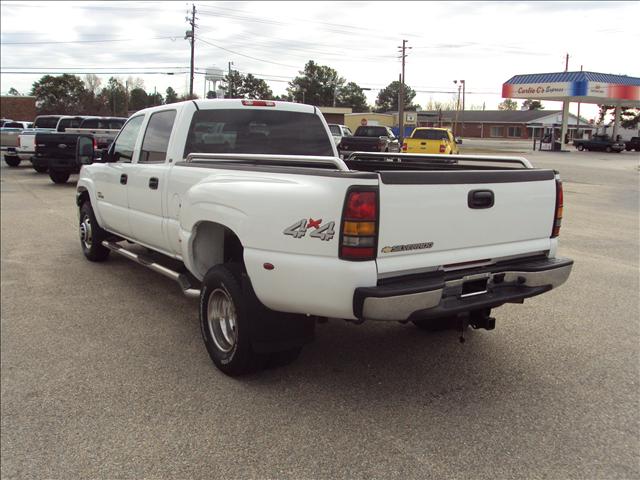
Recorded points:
(318,85)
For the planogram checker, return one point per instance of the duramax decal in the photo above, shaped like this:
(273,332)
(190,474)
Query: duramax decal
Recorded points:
(404,248)
(323,232)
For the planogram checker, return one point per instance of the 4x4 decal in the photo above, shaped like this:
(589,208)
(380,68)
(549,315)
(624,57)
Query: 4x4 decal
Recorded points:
(323,232)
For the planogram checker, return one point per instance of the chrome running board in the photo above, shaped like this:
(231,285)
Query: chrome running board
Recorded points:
(181,278)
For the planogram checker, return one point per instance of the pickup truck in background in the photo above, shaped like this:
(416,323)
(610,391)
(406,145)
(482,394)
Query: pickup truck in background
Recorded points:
(56,152)
(338,132)
(25,148)
(633,144)
(431,140)
(602,143)
(370,139)
(270,229)
(10,140)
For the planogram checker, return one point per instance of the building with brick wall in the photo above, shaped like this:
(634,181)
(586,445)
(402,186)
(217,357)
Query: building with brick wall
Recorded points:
(18,108)
(505,124)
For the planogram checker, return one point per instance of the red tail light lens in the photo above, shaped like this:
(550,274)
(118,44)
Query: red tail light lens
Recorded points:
(443,148)
(359,232)
(404,147)
(95,143)
(557,219)
(360,206)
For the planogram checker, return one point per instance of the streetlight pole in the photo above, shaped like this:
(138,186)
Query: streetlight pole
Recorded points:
(455,123)
(463,95)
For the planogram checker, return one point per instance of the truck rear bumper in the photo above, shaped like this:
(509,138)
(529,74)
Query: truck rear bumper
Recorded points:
(448,293)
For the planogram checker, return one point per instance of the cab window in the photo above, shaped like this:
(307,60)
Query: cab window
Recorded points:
(156,137)
(125,143)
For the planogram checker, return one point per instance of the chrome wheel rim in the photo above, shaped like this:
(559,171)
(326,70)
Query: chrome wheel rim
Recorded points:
(221,318)
(86,236)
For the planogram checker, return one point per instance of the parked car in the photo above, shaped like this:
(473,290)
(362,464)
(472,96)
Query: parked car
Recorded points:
(603,143)
(431,140)
(339,132)
(370,139)
(633,144)
(56,151)
(272,229)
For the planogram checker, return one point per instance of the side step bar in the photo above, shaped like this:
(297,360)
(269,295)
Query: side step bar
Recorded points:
(181,278)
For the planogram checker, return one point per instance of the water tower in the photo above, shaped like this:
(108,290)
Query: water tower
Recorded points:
(213,75)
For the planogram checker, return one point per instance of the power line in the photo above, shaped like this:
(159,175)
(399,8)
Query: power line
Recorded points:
(245,55)
(91,41)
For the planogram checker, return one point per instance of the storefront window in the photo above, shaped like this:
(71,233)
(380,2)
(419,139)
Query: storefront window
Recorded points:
(514,132)
(497,132)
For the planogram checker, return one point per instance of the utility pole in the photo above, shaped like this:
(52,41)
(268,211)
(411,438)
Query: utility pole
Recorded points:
(566,63)
(191,35)
(455,123)
(401,92)
(464,85)
(230,82)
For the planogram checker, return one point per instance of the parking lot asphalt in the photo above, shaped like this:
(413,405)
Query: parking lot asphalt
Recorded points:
(104,373)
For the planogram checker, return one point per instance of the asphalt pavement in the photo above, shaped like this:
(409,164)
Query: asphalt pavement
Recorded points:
(104,373)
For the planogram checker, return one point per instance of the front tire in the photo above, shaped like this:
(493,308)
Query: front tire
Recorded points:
(12,161)
(42,169)
(91,235)
(225,324)
(580,148)
(59,177)
(608,150)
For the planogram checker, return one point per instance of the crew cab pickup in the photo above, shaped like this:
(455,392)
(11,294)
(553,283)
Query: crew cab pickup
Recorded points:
(603,143)
(56,152)
(370,139)
(430,140)
(270,229)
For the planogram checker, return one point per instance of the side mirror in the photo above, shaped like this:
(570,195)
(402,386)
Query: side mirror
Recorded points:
(458,140)
(85,153)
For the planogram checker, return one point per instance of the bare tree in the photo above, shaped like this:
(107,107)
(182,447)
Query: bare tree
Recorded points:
(92,83)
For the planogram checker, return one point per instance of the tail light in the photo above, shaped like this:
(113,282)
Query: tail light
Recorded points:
(258,103)
(443,148)
(404,146)
(95,143)
(557,219)
(359,232)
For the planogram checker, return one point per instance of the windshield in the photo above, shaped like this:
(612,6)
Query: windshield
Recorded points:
(371,132)
(257,131)
(46,122)
(431,134)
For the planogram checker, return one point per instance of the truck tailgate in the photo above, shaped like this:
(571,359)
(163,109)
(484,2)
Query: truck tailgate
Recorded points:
(432,219)
(423,145)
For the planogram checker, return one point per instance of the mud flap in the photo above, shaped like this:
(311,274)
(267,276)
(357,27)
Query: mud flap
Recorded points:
(273,331)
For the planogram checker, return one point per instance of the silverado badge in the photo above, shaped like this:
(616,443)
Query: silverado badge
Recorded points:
(404,248)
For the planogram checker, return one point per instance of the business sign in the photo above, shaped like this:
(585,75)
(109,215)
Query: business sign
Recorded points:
(581,88)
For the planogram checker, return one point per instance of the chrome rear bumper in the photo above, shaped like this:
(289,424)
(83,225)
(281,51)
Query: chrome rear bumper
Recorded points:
(442,294)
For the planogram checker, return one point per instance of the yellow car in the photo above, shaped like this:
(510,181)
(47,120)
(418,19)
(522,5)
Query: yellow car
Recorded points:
(431,140)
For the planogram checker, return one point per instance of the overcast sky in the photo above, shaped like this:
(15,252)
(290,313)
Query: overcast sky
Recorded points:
(484,43)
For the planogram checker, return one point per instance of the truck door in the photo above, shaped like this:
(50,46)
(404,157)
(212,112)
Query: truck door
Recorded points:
(111,180)
(147,184)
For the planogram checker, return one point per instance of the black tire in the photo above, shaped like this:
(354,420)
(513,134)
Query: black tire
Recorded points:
(608,149)
(58,176)
(580,148)
(437,324)
(232,352)
(11,160)
(91,235)
(41,169)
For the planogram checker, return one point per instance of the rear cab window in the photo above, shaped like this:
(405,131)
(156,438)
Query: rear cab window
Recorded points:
(257,131)
(431,135)
(46,122)
(371,132)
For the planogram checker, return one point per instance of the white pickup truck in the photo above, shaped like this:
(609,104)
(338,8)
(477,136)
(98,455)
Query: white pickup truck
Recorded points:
(272,230)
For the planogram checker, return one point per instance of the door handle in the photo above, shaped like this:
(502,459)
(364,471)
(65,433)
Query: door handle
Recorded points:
(123,179)
(480,199)
(153,183)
